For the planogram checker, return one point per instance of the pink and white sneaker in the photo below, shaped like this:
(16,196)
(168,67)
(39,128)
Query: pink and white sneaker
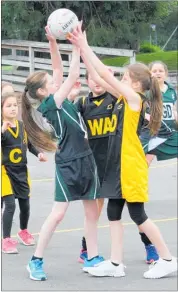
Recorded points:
(25,237)
(9,245)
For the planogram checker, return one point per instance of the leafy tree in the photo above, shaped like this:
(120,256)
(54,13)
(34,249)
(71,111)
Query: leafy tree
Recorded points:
(123,24)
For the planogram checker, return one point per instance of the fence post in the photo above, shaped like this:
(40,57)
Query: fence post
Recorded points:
(133,58)
(14,53)
(31,59)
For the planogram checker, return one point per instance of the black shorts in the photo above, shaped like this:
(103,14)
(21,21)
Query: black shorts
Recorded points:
(77,180)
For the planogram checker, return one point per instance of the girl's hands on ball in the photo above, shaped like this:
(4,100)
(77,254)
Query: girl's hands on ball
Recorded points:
(49,36)
(77,37)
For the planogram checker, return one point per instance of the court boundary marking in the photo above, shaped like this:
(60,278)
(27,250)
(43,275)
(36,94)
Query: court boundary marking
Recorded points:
(107,225)
(104,226)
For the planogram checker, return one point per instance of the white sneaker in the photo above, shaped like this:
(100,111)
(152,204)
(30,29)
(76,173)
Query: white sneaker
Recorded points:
(107,269)
(161,268)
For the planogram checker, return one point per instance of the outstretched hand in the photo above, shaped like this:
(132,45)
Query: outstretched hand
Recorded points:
(77,37)
(42,157)
(49,36)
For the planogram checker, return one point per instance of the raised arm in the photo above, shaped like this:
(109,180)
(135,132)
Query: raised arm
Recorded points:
(56,59)
(78,38)
(74,72)
(74,93)
(94,75)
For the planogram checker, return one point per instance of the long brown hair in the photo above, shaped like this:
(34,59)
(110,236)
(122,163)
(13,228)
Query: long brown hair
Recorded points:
(39,137)
(140,72)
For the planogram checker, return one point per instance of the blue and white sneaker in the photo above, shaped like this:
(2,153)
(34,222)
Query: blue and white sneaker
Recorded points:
(35,268)
(88,264)
(151,254)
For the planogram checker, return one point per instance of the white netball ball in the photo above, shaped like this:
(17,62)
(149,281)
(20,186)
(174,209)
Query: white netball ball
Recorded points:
(61,22)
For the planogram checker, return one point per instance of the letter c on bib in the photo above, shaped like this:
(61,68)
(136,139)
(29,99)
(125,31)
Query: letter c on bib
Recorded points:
(12,155)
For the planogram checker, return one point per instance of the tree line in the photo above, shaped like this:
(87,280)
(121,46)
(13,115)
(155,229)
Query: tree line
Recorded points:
(117,24)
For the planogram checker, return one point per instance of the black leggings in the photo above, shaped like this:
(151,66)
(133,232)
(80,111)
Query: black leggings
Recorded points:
(9,210)
(136,211)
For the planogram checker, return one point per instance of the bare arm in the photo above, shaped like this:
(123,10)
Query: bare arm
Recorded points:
(95,76)
(118,87)
(75,91)
(74,72)
(56,59)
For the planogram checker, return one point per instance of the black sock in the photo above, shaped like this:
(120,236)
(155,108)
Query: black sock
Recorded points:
(84,244)
(93,258)
(36,258)
(167,260)
(116,265)
(145,239)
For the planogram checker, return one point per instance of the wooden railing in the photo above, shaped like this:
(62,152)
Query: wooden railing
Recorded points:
(23,59)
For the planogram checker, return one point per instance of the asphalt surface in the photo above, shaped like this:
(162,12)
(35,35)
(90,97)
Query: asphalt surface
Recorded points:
(63,271)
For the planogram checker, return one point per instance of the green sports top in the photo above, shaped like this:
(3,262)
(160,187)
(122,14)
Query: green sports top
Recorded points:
(69,127)
(168,122)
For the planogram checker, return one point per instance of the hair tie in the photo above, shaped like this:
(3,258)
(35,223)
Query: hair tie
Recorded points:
(26,89)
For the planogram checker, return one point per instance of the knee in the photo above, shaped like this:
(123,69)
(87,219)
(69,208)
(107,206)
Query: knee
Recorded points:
(10,207)
(26,207)
(58,217)
(58,211)
(113,212)
(138,216)
(91,214)
(91,210)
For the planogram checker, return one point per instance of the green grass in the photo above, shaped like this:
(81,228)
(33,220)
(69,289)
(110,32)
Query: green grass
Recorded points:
(169,58)
(7,68)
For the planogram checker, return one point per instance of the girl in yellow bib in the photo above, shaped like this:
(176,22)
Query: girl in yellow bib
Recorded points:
(126,173)
(15,179)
